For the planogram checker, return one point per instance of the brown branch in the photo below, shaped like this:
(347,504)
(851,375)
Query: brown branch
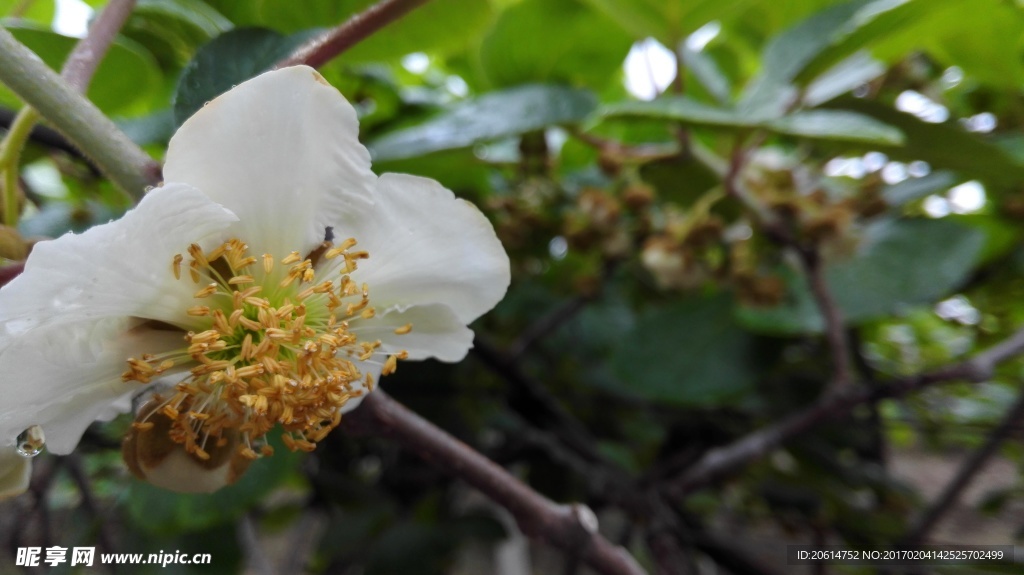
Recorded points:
(81,64)
(570,527)
(323,48)
(923,526)
(722,461)
(546,325)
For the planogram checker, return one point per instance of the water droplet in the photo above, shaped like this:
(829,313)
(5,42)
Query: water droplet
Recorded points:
(31,441)
(206,103)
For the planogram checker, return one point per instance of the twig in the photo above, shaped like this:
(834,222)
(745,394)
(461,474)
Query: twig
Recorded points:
(81,64)
(323,48)
(723,460)
(923,526)
(48,137)
(547,324)
(77,118)
(570,527)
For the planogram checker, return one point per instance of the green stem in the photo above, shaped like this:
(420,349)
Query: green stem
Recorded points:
(10,155)
(77,118)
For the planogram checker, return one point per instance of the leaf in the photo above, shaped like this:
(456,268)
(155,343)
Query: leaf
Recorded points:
(496,115)
(439,26)
(689,353)
(566,42)
(228,60)
(173,29)
(943,146)
(814,124)
(916,188)
(706,71)
(787,55)
(127,75)
(40,13)
(855,71)
(669,21)
(836,125)
(899,263)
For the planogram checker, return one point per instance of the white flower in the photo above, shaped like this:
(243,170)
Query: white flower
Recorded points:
(268,281)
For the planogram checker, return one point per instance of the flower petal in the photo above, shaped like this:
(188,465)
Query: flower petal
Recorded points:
(426,247)
(65,376)
(436,332)
(15,472)
(118,269)
(282,152)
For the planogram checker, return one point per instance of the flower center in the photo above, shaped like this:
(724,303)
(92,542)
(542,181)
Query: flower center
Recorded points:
(276,348)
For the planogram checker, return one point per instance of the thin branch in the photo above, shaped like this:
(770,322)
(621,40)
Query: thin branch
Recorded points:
(722,461)
(546,325)
(105,536)
(81,64)
(79,120)
(323,48)
(47,137)
(570,527)
(919,532)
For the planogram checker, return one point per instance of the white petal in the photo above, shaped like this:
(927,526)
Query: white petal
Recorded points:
(118,269)
(63,377)
(15,472)
(436,332)
(282,152)
(426,247)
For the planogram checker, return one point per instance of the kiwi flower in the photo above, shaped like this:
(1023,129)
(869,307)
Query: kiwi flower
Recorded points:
(268,282)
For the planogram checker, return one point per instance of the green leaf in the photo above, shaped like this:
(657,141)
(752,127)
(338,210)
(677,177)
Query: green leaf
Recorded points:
(41,13)
(916,188)
(855,71)
(127,75)
(439,26)
(228,60)
(706,71)
(788,55)
(814,124)
(943,146)
(172,30)
(496,115)
(669,21)
(553,41)
(898,264)
(836,125)
(690,353)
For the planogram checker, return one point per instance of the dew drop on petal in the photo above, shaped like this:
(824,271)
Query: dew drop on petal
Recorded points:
(30,442)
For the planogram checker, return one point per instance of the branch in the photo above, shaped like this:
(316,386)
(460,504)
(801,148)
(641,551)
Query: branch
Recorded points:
(570,527)
(721,461)
(323,48)
(81,64)
(919,532)
(77,118)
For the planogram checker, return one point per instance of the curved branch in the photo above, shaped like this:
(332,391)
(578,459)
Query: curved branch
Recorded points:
(570,527)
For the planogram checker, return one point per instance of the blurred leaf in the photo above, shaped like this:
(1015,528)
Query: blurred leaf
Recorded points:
(57,218)
(899,264)
(706,71)
(836,125)
(669,21)
(127,74)
(912,189)
(173,29)
(855,71)
(39,12)
(815,124)
(156,128)
(945,145)
(567,42)
(496,115)
(687,353)
(228,60)
(787,56)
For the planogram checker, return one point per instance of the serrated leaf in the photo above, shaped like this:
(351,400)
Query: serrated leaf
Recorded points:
(228,60)
(689,353)
(496,115)
(898,264)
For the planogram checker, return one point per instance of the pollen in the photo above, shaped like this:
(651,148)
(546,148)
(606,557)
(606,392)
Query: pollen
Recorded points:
(269,348)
